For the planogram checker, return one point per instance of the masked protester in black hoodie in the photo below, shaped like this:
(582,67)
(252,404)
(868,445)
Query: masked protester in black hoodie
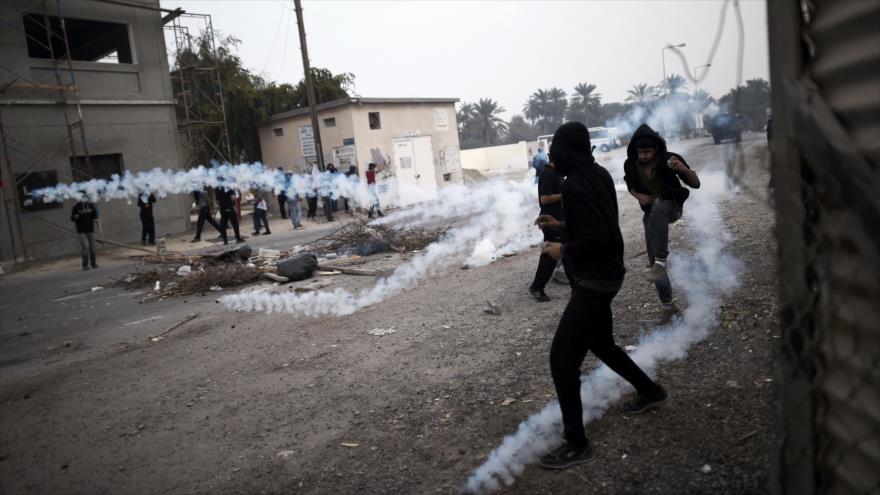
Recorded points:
(653,176)
(594,251)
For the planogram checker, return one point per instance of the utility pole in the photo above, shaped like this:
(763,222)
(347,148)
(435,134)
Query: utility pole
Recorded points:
(310,86)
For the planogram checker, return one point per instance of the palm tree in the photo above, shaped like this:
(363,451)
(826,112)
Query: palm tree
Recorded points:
(536,107)
(488,126)
(556,108)
(672,85)
(465,114)
(640,94)
(584,104)
(700,100)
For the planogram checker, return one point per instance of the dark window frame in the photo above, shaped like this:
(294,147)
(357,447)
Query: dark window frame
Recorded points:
(31,181)
(104,166)
(90,40)
(375,120)
(330,122)
(278,131)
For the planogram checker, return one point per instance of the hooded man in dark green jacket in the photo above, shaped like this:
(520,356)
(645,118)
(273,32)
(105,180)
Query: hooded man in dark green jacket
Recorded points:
(654,178)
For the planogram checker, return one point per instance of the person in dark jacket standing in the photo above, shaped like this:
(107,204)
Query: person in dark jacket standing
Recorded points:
(228,214)
(204,202)
(550,201)
(653,176)
(282,197)
(148,226)
(84,215)
(594,250)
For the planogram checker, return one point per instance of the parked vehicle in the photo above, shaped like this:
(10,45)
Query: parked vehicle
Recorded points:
(603,138)
(727,126)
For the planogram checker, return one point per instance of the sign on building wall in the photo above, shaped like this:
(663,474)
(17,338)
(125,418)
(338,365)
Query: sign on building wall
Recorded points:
(344,157)
(441,117)
(307,141)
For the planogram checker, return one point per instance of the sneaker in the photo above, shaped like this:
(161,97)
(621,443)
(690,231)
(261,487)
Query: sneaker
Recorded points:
(642,403)
(255,233)
(197,239)
(566,456)
(239,240)
(85,268)
(266,233)
(539,295)
(95,266)
(655,273)
(667,311)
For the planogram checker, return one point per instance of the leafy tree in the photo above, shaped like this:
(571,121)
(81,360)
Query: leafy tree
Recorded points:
(609,112)
(518,129)
(751,101)
(584,105)
(248,99)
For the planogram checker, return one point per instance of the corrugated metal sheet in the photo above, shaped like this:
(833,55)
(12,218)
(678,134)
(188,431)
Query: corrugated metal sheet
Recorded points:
(847,67)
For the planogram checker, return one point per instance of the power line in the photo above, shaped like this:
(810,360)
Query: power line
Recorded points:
(275,41)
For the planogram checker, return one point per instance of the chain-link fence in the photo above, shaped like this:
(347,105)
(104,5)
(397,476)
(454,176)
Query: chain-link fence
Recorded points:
(825,65)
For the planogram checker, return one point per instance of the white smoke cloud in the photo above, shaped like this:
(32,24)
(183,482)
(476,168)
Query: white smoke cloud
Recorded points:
(244,176)
(704,275)
(495,219)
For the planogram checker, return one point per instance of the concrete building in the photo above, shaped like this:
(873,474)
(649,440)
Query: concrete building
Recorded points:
(121,74)
(413,139)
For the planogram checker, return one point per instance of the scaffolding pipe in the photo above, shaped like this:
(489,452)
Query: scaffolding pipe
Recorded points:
(14,199)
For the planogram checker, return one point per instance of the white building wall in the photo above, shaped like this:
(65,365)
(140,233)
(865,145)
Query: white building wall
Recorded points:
(504,158)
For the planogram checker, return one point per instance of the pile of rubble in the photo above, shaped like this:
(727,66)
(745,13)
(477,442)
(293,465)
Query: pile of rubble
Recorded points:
(361,238)
(180,275)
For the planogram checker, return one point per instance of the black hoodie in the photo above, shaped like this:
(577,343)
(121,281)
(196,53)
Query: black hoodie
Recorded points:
(669,179)
(594,244)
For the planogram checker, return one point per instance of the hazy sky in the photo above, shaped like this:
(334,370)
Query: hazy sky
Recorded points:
(491,49)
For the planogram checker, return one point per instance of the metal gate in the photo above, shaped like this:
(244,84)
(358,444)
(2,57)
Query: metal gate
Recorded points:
(825,74)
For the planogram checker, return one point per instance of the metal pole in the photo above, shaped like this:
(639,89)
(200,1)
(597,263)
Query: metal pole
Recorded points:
(310,87)
(663,54)
(13,200)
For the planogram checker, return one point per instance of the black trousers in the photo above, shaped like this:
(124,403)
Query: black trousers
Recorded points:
(546,264)
(329,207)
(148,228)
(282,205)
(312,201)
(205,216)
(229,217)
(586,325)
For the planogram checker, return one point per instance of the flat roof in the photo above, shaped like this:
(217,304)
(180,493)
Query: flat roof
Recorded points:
(353,100)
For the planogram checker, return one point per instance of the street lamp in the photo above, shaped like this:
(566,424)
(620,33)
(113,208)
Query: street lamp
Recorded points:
(663,54)
(696,78)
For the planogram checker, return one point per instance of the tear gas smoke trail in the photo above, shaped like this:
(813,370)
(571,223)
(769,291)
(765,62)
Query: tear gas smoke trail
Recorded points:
(243,177)
(499,223)
(705,276)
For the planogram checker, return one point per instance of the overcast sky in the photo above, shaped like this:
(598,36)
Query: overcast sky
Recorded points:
(491,49)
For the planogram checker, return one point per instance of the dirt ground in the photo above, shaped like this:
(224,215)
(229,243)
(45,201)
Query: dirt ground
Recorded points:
(257,403)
